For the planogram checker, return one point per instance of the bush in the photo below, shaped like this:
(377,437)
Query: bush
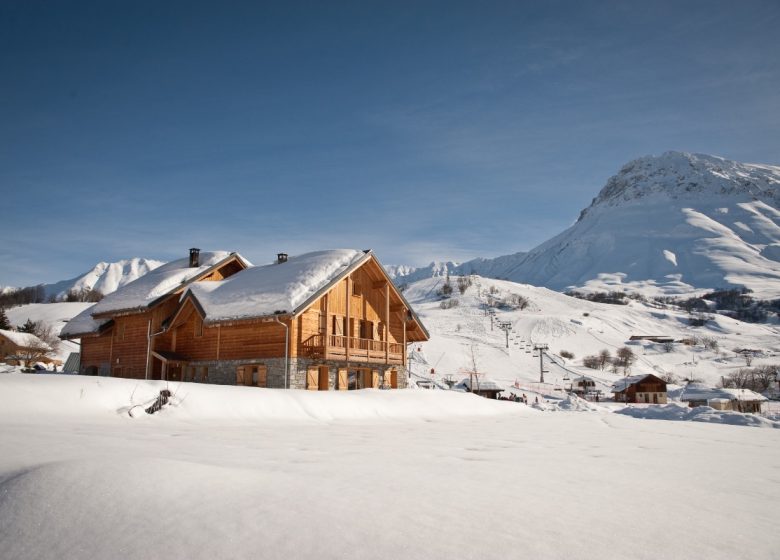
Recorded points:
(464,283)
(592,362)
(756,379)
(449,303)
(613,298)
(566,354)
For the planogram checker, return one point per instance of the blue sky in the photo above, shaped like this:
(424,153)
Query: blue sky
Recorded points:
(423,130)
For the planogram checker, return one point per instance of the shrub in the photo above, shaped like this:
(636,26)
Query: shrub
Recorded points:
(566,354)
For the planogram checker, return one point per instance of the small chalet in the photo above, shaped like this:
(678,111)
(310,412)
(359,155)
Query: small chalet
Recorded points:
(584,386)
(647,389)
(739,400)
(23,349)
(319,321)
(483,387)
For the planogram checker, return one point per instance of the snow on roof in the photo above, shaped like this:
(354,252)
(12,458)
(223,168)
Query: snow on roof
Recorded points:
(626,382)
(83,323)
(483,384)
(157,283)
(281,287)
(701,392)
(745,395)
(23,340)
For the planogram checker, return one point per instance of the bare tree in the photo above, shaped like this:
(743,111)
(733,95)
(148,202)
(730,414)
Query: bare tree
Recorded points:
(472,368)
(604,358)
(625,357)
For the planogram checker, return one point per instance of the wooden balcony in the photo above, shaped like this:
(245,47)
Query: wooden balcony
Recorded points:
(360,349)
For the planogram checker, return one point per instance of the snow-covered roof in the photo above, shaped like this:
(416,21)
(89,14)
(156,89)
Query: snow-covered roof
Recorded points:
(483,384)
(157,283)
(23,340)
(701,392)
(82,324)
(745,395)
(626,382)
(280,287)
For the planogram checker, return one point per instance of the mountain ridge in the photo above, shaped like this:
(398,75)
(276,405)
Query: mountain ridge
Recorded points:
(663,225)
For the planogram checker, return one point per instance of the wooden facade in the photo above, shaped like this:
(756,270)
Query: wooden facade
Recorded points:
(351,335)
(648,389)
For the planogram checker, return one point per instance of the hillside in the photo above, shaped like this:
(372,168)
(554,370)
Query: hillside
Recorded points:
(669,224)
(573,325)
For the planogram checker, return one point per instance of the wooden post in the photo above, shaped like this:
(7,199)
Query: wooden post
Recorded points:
(326,342)
(348,333)
(387,322)
(403,318)
(219,339)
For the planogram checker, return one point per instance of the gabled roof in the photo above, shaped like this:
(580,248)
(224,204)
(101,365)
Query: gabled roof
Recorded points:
(701,392)
(286,288)
(745,395)
(626,382)
(483,384)
(23,340)
(279,288)
(155,285)
(84,324)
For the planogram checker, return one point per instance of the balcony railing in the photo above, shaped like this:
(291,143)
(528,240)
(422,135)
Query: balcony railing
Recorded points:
(371,350)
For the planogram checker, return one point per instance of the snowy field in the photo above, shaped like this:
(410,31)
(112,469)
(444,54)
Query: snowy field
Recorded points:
(234,472)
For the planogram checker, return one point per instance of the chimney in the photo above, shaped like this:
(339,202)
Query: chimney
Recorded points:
(194,257)
(281,258)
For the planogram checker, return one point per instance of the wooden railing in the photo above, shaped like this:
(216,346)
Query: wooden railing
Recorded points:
(358,347)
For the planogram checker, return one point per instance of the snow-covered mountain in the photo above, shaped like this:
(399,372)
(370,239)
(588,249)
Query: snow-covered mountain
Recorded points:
(104,277)
(664,224)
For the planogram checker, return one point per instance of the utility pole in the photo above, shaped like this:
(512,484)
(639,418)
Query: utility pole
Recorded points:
(505,326)
(541,348)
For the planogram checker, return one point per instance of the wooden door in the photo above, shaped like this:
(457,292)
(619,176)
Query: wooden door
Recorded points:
(240,375)
(323,381)
(260,376)
(312,378)
(174,372)
(343,381)
(393,379)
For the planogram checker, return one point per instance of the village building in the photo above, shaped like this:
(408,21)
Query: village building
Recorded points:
(483,387)
(739,400)
(584,386)
(647,389)
(24,349)
(320,321)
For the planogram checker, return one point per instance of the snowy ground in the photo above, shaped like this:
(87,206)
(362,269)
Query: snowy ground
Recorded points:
(233,472)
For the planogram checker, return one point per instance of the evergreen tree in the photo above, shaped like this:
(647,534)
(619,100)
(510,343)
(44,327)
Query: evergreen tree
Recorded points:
(5,324)
(29,327)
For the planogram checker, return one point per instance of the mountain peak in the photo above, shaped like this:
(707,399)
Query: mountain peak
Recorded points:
(682,175)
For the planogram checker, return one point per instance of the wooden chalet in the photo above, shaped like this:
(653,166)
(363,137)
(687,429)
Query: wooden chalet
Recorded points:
(24,349)
(647,389)
(483,387)
(323,320)
(739,400)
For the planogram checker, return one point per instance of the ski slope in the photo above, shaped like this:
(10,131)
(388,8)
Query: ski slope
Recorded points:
(569,324)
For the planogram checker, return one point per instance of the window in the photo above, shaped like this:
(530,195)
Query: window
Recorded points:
(355,289)
(323,323)
(198,327)
(366,329)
